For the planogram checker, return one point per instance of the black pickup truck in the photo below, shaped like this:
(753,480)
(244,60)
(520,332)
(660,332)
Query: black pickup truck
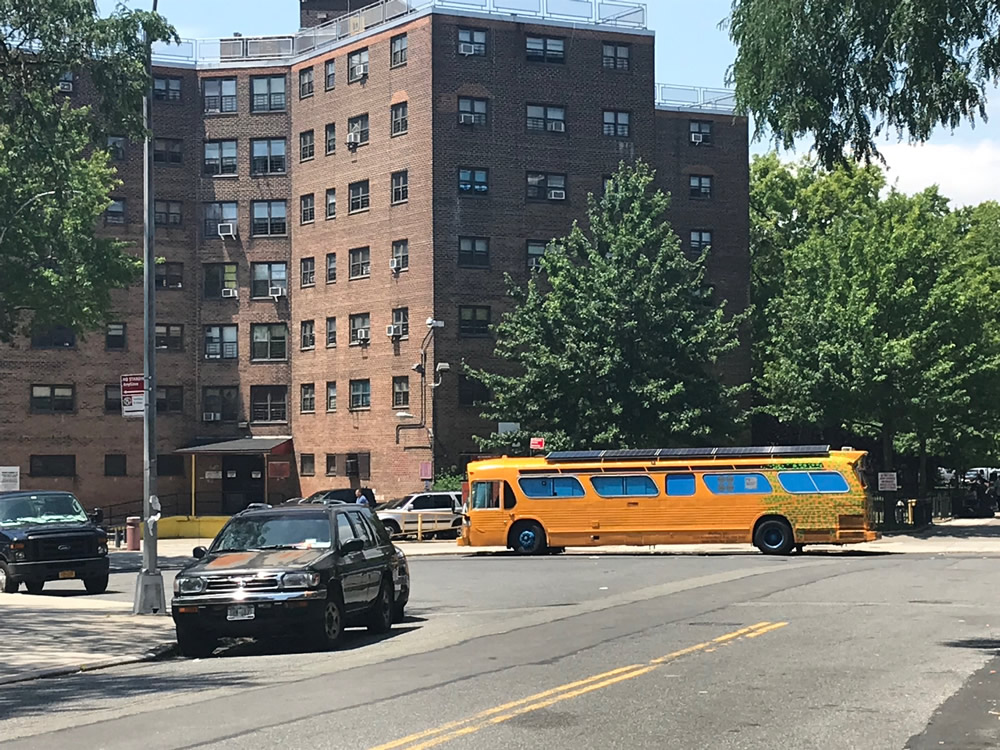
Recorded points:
(47,536)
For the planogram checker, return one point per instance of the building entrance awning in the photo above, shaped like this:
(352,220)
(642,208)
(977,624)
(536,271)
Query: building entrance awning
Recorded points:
(271,445)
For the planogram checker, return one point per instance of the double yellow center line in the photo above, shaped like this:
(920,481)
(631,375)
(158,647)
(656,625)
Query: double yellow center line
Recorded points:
(462,727)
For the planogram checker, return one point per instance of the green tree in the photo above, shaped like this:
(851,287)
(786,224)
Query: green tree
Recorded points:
(846,73)
(614,343)
(55,176)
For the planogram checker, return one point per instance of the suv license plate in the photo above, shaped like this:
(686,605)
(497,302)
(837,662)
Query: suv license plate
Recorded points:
(240,612)
(67,574)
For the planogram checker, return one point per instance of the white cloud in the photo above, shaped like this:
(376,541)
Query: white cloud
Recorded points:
(965,172)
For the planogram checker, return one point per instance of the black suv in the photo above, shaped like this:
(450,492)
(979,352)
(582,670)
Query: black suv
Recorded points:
(296,570)
(47,536)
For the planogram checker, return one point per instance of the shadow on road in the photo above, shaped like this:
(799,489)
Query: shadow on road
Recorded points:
(353,639)
(981,644)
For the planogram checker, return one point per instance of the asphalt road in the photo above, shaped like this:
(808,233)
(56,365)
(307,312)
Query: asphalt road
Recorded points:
(720,652)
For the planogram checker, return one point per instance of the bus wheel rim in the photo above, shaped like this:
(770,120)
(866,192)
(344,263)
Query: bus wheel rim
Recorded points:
(773,537)
(527,538)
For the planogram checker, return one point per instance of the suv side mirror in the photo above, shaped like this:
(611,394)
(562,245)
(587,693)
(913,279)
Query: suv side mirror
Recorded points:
(351,546)
(199,552)
(97,516)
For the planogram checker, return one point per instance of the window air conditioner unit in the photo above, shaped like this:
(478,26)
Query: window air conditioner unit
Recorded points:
(227,229)
(557,126)
(393,264)
(276,291)
(394,331)
(360,71)
(557,195)
(467,118)
(66,87)
(362,334)
(211,416)
(697,138)
(466,49)
(353,138)
(230,293)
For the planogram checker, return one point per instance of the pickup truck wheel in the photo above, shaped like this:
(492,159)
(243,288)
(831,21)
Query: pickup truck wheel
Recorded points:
(96,584)
(380,617)
(193,643)
(34,587)
(7,584)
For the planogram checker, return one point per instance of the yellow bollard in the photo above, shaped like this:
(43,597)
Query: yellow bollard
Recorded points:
(910,505)
(420,527)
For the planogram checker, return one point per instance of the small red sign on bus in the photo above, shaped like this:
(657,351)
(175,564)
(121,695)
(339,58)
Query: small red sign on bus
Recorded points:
(537,444)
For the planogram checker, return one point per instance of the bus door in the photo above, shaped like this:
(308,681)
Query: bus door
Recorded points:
(488,518)
(630,504)
(681,513)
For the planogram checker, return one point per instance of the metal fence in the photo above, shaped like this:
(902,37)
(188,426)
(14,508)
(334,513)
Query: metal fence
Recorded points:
(897,512)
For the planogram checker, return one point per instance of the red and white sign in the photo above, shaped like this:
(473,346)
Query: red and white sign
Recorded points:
(133,395)
(536,444)
(426,471)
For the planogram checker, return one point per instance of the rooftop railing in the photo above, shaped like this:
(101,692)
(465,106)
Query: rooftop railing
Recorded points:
(669,96)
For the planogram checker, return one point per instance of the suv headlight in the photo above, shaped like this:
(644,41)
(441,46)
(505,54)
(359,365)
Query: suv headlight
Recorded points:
(305,579)
(189,585)
(102,548)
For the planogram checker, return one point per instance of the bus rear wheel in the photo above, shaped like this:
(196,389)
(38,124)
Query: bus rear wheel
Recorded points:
(527,538)
(774,537)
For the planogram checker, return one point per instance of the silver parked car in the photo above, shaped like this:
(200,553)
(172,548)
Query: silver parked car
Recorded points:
(438,513)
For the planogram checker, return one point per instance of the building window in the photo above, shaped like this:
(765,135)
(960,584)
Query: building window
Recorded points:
(358,465)
(114,465)
(399,114)
(536,250)
(398,51)
(401,321)
(216,214)
(400,392)
(331,268)
(221,342)
(267,156)
(307,145)
(52,399)
(112,398)
(331,74)
(268,94)
(169,337)
(701,239)
(700,186)
(617,56)
(169,399)
(168,151)
(400,187)
(307,461)
(474,252)
(53,337)
(700,132)
(167,213)
(361,394)
(219,95)
(616,124)
(474,320)
(307,398)
(167,89)
(359,197)
(114,337)
(543,118)
(116,147)
(471,42)
(307,208)
(115,213)
(360,328)
(472,392)
(269,219)
(357,130)
(360,260)
(219,276)
(269,342)
(331,396)
(357,65)
(331,464)
(305,83)
(169,275)
(545,49)
(331,333)
(544,186)
(472,181)
(222,402)
(267,278)
(52,466)
(169,465)
(307,272)
(268,403)
(331,203)
(220,158)
(308,331)
(331,138)
(472,111)
(401,254)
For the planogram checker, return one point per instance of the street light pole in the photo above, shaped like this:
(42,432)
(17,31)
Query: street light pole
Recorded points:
(149,595)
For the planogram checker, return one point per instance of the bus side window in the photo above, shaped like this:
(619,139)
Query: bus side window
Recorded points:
(796,481)
(737,484)
(680,485)
(829,481)
(509,498)
(485,495)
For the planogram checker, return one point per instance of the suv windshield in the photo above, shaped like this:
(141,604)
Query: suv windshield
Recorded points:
(40,509)
(263,531)
(399,502)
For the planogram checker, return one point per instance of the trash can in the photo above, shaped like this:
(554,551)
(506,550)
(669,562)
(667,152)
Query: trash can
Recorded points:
(133,532)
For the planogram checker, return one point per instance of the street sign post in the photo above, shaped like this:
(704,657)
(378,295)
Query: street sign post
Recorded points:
(133,395)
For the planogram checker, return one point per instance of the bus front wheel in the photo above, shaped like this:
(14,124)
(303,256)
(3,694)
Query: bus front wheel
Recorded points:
(527,538)
(774,537)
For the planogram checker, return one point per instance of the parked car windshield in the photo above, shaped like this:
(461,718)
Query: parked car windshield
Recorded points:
(399,502)
(263,531)
(40,509)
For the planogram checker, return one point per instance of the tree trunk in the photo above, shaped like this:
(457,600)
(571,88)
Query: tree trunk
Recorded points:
(922,468)
(887,447)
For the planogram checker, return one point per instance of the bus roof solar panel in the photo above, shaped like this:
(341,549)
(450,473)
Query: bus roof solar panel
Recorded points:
(574,456)
(649,454)
(631,453)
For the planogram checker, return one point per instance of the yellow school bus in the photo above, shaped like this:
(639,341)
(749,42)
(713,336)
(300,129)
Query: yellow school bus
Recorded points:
(777,498)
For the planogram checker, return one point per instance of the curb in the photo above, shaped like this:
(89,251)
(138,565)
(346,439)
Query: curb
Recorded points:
(162,651)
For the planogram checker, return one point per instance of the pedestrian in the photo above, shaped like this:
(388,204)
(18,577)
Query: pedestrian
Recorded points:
(360,498)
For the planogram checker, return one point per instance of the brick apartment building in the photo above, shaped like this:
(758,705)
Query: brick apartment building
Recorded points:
(319,198)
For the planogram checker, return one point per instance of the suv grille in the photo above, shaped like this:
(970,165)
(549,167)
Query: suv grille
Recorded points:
(222,584)
(65,548)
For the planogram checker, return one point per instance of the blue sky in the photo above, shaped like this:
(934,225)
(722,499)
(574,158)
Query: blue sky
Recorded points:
(691,49)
